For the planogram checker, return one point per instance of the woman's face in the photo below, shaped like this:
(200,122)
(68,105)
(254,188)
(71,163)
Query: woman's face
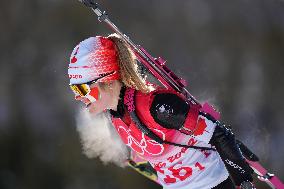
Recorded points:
(104,99)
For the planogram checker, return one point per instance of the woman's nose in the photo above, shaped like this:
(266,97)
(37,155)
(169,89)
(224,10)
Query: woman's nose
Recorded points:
(85,100)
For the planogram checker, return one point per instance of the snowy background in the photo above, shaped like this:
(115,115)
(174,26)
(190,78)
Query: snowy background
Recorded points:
(230,52)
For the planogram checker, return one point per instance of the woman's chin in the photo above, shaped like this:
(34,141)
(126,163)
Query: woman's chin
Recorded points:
(94,111)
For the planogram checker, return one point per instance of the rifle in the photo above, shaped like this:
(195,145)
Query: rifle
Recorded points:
(168,79)
(156,66)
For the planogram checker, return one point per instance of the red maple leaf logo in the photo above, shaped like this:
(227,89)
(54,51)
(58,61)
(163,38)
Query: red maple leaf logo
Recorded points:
(201,126)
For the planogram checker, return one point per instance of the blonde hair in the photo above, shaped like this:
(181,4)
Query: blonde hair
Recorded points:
(128,67)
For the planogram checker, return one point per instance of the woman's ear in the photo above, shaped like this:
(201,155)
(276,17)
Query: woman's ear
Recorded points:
(112,86)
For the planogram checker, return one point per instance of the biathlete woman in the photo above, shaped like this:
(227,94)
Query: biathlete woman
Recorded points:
(187,147)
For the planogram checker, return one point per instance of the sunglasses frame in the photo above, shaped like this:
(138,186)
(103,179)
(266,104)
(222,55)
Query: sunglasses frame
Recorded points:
(84,88)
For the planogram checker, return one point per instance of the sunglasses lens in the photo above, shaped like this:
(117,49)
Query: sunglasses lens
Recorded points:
(84,88)
(81,89)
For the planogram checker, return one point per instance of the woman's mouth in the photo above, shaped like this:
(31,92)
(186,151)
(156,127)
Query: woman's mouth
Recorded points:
(87,106)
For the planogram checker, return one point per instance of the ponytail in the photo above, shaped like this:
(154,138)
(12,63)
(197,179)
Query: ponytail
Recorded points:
(128,67)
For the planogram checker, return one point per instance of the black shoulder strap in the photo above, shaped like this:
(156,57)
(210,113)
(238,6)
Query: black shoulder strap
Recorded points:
(130,106)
